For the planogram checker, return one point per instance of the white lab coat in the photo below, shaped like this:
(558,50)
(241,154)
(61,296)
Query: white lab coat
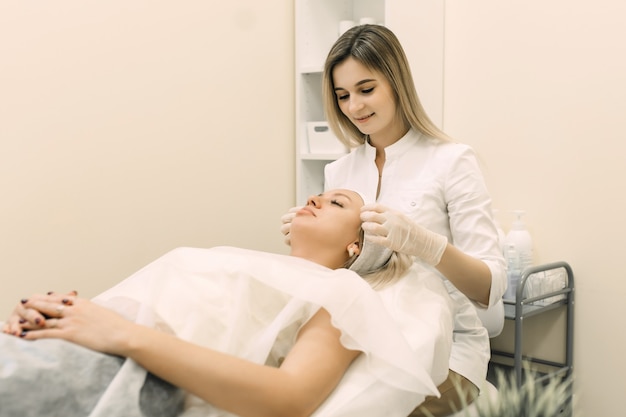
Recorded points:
(440,186)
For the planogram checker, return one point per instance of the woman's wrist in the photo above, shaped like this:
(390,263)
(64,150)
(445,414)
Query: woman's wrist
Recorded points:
(137,339)
(130,340)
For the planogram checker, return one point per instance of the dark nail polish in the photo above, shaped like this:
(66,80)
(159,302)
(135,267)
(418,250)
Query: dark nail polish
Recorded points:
(23,333)
(24,300)
(37,320)
(50,292)
(65,300)
(22,321)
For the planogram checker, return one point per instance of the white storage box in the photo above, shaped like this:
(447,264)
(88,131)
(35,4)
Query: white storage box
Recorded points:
(322,140)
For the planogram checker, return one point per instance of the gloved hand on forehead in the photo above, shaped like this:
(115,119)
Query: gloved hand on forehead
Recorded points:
(398,232)
(286,219)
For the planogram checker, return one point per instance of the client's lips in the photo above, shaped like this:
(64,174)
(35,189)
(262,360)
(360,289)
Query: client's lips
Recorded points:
(306,211)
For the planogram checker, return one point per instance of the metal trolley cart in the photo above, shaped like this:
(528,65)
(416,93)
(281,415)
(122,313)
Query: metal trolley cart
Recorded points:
(531,302)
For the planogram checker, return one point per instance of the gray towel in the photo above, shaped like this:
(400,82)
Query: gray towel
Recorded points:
(52,377)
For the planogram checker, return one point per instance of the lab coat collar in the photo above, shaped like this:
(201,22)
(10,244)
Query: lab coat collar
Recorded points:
(397,148)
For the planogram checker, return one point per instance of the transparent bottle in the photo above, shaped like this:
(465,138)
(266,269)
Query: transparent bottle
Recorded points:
(514,270)
(519,253)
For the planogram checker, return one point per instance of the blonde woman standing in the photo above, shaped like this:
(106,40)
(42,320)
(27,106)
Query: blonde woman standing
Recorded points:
(430,198)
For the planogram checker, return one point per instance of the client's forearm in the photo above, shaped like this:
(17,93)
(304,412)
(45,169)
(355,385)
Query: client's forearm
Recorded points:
(230,383)
(311,371)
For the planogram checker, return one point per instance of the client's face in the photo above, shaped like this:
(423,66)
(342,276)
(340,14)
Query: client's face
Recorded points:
(332,218)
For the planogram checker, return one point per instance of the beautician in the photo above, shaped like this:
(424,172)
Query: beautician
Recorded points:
(431,199)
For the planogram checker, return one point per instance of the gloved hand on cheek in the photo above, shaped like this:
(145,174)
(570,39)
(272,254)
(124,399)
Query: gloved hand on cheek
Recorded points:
(398,232)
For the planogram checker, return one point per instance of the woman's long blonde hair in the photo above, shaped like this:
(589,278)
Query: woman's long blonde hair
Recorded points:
(380,51)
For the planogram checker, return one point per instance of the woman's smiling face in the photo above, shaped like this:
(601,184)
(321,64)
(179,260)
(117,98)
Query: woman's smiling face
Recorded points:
(367,99)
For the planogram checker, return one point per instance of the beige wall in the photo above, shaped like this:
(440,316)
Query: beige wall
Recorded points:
(538,88)
(130,128)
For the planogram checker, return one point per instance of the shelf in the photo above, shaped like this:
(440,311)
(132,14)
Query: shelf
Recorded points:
(317,69)
(528,310)
(317,27)
(524,306)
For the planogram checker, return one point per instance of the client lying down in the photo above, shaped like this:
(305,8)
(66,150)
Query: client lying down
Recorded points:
(342,327)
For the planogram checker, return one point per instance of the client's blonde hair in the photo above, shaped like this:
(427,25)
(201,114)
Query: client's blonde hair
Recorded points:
(395,268)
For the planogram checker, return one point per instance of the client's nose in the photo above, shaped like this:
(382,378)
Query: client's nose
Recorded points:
(314,201)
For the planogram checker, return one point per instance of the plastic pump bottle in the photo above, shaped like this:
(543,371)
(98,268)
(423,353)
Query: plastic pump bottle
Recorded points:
(518,253)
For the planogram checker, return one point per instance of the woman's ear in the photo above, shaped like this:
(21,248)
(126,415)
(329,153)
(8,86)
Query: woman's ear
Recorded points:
(354,248)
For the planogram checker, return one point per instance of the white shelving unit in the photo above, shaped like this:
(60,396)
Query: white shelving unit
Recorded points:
(419,26)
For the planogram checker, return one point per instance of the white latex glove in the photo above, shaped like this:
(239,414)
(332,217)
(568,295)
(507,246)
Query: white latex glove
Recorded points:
(398,232)
(286,220)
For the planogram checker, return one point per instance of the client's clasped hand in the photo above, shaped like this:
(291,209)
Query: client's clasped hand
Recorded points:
(26,316)
(65,316)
